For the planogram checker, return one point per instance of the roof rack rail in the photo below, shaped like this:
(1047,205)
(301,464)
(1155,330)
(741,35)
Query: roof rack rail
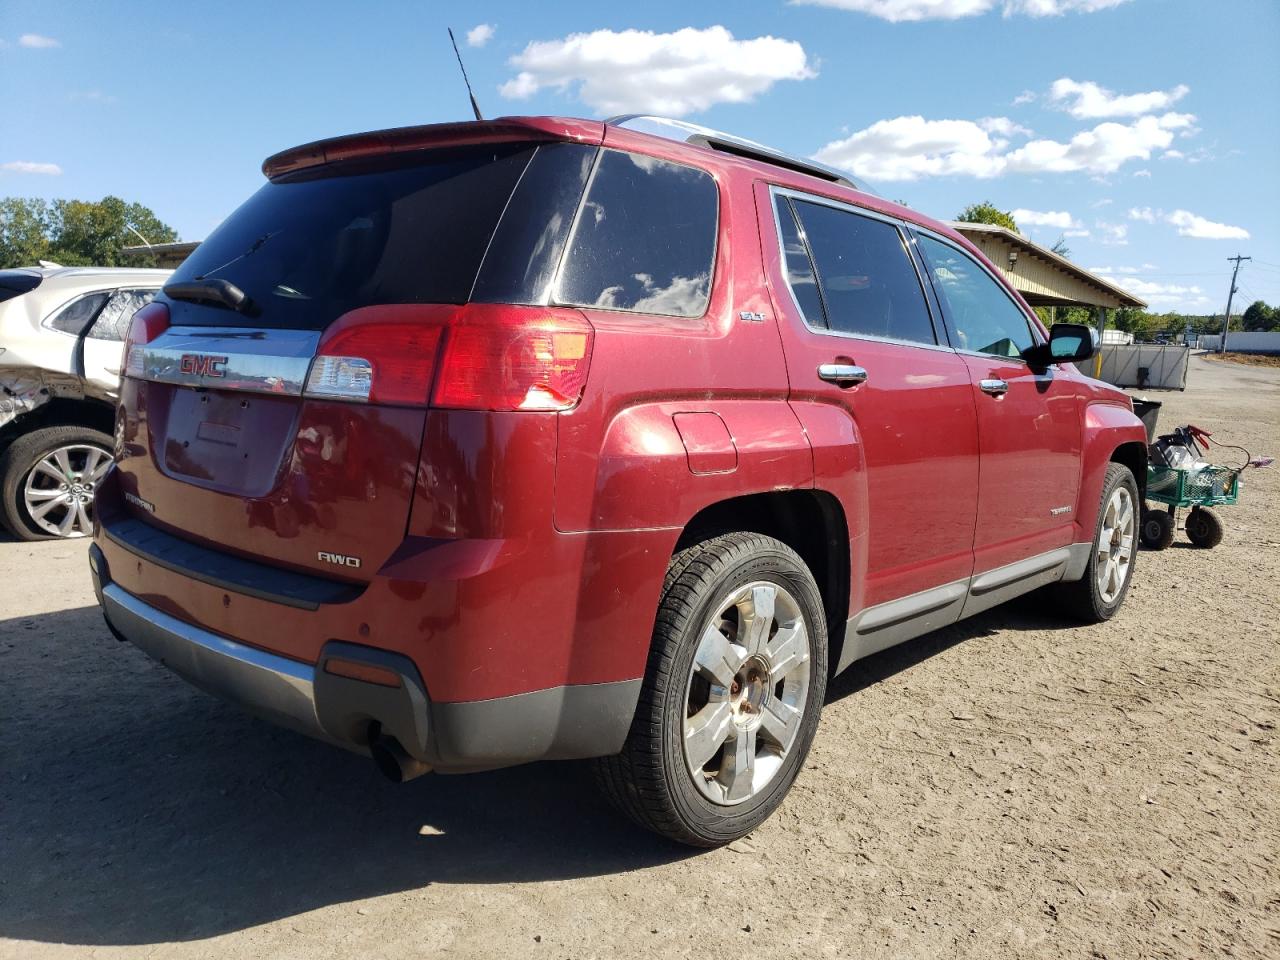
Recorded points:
(728,143)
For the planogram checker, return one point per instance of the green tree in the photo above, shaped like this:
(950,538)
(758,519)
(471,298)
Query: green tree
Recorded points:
(987,212)
(1261,317)
(77,232)
(24,231)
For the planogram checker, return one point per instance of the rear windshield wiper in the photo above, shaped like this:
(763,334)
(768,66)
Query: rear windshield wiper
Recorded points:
(218,293)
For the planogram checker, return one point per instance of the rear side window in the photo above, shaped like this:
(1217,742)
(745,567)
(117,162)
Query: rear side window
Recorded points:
(869,285)
(113,321)
(645,239)
(76,316)
(984,317)
(14,283)
(406,228)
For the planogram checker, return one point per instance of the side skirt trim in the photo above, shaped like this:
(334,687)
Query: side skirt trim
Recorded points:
(888,624)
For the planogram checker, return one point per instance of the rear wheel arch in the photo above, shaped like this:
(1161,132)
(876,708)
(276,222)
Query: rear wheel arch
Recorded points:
(810,522)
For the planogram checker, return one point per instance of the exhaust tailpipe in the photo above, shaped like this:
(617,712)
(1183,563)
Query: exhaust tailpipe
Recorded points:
(396,765)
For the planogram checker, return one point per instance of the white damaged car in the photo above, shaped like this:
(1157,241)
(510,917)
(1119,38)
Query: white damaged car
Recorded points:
(62,333)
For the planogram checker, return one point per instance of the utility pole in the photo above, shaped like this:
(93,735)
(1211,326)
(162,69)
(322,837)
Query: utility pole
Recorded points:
(1226,320)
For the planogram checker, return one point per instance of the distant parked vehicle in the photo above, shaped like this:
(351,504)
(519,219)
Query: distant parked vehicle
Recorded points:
(61,337)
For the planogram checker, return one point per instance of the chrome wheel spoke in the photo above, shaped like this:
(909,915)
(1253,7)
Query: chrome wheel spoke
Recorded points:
(717,659)
(50,470)
(779,721)
(705,731)
(68,522)
(91,461)
(737,772)
(759,621)
(63,463)
(40,494)
(39,512)
(789,649)
(83,524)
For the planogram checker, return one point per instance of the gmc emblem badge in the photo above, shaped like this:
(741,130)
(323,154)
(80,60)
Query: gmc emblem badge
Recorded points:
(203,365)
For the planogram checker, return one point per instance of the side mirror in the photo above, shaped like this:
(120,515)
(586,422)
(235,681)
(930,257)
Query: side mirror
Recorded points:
(1068,343)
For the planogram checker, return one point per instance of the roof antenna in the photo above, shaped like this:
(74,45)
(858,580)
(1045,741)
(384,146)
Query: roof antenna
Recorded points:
(475,107)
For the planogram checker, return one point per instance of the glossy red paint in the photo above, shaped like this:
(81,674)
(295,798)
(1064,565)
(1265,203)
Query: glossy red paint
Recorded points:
(507,552)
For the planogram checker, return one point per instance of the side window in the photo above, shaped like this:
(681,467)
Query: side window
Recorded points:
(113,322)
(983,315)
(795,260)
(78,314)
(645,239)
(868,282)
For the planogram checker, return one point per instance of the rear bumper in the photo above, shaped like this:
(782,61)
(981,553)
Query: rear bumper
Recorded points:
(566,722)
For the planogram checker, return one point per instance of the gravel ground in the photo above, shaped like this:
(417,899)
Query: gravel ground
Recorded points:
(1010,786)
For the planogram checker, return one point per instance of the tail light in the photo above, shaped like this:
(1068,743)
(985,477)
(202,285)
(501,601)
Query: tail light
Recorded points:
(147,324)
(383,354)
(494,357)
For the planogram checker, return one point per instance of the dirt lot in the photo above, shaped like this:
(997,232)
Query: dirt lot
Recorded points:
(1008,787)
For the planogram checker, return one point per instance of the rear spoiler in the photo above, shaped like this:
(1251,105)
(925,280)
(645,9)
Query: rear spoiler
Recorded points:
(400,139)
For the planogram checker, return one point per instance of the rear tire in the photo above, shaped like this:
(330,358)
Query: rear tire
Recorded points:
(732,693)
(1158,529)
(1204,529)
(32,479)
(1097,595)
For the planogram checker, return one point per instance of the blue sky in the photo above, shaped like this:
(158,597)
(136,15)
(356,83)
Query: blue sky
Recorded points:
(1147,131)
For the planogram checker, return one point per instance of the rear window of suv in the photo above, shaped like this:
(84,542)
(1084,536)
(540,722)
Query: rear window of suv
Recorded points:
(311,246)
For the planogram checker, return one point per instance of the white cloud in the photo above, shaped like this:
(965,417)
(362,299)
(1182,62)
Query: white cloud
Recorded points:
(1142,173)
(1082,232)
(1004,127)
(1190,225)
(26,166)
(1112,234)
(1026,96)
(897,11)
(480,34)
(639,71)
(1089,101)
(1172,155)
(908,148)
(35,41)
(91,96)
(1045,218)
(1105,202)
(1158,295)
(1104,149)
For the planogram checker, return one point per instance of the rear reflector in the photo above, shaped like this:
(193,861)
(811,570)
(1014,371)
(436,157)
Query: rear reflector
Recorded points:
(147,324)
(495,357)
(354,670)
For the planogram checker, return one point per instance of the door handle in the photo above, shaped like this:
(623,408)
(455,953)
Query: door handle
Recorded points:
(843,375)
(997,388)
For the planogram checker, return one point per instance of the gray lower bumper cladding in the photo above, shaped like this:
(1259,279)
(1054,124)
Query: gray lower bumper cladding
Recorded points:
(569,722)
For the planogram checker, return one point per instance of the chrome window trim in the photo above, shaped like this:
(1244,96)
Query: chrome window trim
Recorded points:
(791,193)
(1033,322)
(256,360)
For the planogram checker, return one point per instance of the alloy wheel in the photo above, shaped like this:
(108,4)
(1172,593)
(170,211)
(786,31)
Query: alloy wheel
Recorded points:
(59,489)
(746,694)
(1115,545)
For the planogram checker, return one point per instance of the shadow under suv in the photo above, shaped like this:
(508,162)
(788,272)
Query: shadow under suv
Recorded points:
(481,443)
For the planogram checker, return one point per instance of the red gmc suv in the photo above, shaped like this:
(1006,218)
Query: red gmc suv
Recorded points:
(468,445)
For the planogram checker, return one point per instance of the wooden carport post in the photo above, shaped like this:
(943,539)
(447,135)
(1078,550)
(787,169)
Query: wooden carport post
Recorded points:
(1102,325)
